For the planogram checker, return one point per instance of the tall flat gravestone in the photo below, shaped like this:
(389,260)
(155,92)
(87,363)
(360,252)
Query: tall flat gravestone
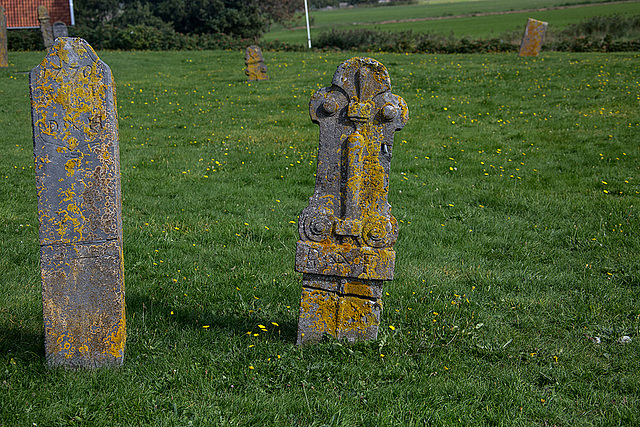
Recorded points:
(60,30)
(76,153)
(533,37)
(347,232)
(4,58)
(253,59)
(45,26)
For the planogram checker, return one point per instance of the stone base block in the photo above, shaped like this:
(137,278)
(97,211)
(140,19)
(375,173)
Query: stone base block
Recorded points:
(83,304)
(342,315)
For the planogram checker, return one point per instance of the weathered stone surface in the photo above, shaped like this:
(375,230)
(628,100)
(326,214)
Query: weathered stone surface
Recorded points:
(256,70)
(45,26)
(533,37)
(4,58)
(60,30)
(347,232)
(76,153)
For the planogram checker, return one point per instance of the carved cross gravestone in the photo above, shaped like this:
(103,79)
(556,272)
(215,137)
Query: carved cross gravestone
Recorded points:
(60,30)
(347,232)
(45,26)
(256,70)
(533,37)
(4,58)
(76,153)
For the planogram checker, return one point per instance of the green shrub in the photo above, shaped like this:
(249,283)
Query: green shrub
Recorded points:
(407,41)
(141,37)
(24,40)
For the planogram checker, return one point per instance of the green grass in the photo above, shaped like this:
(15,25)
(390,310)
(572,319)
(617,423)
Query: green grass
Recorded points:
(477,26)
(515,184)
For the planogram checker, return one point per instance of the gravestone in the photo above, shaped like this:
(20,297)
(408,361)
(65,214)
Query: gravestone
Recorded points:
(533,37)
(45,26)
(60,30)
(253,59)
(4,58)
(347,232)
(76,153)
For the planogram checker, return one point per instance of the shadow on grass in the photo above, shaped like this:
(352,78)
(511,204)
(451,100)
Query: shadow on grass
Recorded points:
(229,323)
(18,344)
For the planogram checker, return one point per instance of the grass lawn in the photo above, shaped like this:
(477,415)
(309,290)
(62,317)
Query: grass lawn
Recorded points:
(515,184)
(471,26)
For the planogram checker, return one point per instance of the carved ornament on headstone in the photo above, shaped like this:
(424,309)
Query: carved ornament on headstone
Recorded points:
(347,232)
(45,26)
(256,70)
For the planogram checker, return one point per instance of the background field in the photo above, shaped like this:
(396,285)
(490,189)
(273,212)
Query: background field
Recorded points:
(516,187)
(475,27)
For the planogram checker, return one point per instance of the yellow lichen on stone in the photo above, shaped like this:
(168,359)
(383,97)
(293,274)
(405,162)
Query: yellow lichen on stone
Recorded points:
(78,185)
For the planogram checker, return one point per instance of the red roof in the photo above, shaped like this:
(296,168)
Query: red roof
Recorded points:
(24,13)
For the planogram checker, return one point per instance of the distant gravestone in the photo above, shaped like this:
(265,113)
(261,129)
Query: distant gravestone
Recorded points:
(60,30)
(347,232)
(256,70)
(45,26)
(533,37)
(76,153)
(4,58)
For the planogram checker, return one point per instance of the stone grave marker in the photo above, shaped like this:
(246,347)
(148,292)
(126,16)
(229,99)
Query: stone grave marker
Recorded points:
(4,56)
(45,26)
(347,232)
(253,59)
(76,153)
(60,30)
(533,37)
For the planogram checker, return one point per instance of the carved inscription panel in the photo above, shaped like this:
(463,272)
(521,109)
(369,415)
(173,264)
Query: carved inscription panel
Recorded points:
(76,147)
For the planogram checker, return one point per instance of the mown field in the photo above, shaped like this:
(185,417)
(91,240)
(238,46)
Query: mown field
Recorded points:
(452,19)
(515,184)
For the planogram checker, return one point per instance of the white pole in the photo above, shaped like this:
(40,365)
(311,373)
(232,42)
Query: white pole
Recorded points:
(306,11)
(73,17)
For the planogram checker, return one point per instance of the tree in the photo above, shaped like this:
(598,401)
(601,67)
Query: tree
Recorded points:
(234,17)
(95,12)
(281,11)
(237,18)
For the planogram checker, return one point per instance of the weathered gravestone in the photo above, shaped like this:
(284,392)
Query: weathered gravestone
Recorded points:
(533,37)
(253,59)
(347,232)
(4,58)
(45,26)
(60,30)
(76,153)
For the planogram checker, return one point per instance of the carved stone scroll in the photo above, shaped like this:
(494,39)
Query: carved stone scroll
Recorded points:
(256,70)
(76,153)
(347,232)
(4,58)
(45,26)
(533,37)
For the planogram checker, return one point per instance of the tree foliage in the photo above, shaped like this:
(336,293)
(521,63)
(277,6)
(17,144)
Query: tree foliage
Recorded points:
(238,18)
(281,11)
